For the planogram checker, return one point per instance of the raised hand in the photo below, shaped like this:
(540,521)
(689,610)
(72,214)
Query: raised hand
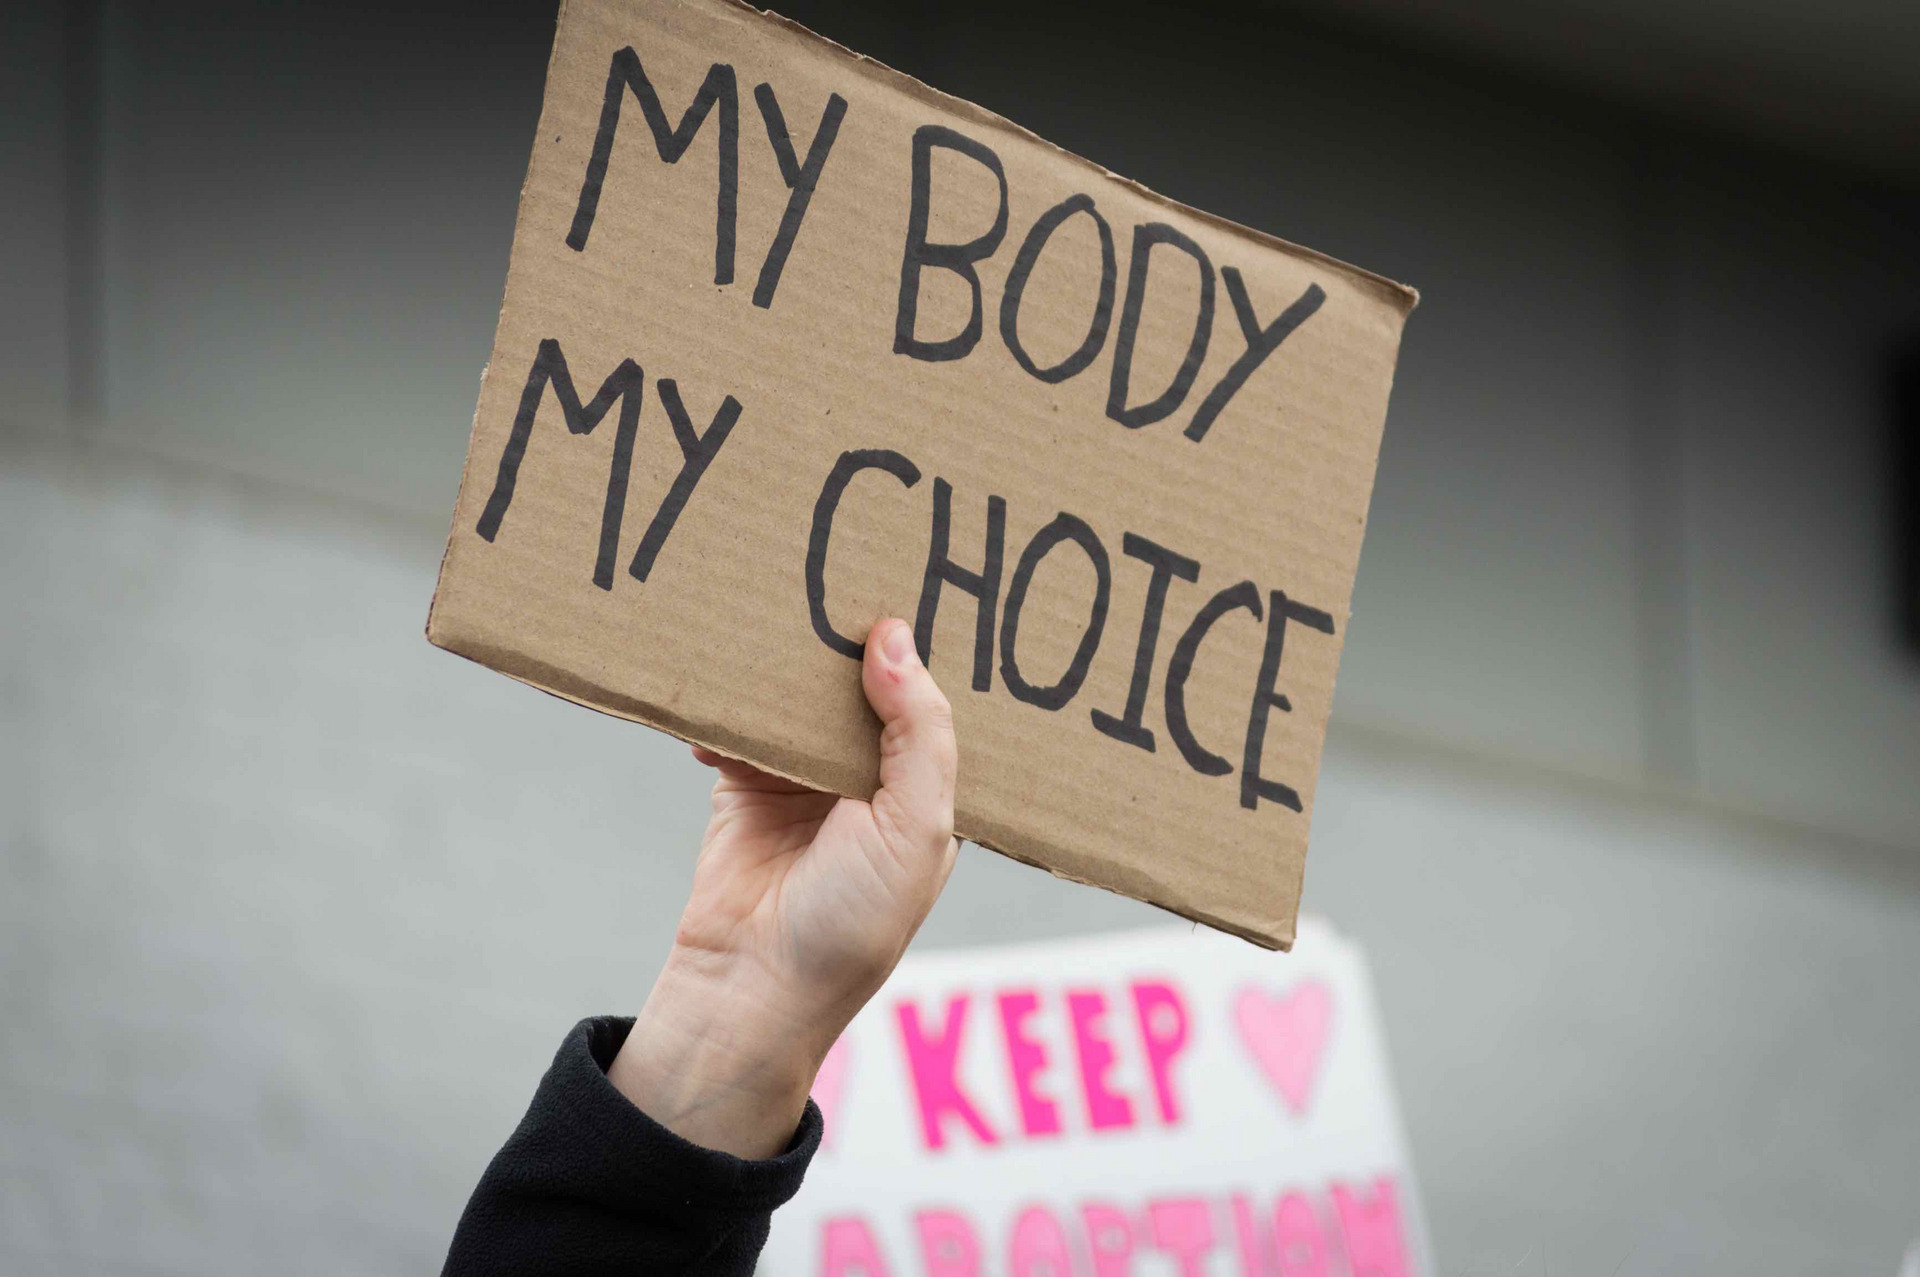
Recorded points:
(802,904)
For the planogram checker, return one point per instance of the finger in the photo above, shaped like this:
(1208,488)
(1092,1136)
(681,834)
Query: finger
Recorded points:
(918,757)
(740,775)
(731,768)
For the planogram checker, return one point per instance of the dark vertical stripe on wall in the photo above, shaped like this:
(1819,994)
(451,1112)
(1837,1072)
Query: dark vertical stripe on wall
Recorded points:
(86,287)
(1904,481)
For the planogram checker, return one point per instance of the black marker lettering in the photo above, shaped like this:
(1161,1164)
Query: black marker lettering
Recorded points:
(550,368)
(1145,236)
(1244,595)
(958,258)
(1260,343)
(696,451)
(800,178)
(849,464)
(1063,528)
(625,73)
(1253,787)
(984,585)
(1166,565)
(1023,265)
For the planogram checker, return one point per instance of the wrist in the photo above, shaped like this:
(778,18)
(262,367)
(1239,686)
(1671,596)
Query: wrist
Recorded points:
(721,1055)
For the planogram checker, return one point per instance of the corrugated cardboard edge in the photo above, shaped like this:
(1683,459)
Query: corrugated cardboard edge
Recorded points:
(579,691)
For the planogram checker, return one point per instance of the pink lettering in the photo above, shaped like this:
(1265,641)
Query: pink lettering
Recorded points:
(1109,1240)
(1039,1247)
(1163,1031)
(847,1249)
(1303,1249)
(1372,1229)
(933,1062)
(1026,1057)
(948,1247)
(1106,1108)
(1256,1257)
(1183,1227)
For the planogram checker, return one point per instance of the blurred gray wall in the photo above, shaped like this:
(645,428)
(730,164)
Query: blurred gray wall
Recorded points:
(1622,791)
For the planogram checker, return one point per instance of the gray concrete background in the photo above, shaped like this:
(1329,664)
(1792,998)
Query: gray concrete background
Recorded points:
(1621,793)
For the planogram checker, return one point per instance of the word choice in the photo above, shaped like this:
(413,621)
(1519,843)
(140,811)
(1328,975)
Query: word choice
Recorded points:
(984,585)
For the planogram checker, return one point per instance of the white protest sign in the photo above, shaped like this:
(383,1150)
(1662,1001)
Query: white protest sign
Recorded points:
(1160,1102)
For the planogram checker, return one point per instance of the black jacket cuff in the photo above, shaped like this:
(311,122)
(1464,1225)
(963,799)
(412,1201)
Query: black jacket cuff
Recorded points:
(610,1129)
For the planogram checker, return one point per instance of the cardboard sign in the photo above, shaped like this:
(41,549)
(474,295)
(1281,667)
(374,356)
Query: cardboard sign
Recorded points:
(1168,1102)
(792,342)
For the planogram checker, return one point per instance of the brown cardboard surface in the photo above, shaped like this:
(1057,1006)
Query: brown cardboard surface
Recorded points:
(646,523)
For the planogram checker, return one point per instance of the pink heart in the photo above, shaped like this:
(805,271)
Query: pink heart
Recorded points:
(1286,1036)
(830,1082)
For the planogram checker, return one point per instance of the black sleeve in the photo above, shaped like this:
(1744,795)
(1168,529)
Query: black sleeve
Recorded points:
(589,1184)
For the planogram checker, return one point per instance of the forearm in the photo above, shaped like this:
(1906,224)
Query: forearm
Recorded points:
(721,1055)
(665,1149)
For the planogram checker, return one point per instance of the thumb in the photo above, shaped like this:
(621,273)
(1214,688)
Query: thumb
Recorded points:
(918,758)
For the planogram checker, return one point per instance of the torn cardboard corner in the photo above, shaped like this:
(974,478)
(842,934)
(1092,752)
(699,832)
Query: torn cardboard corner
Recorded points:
(792,343)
